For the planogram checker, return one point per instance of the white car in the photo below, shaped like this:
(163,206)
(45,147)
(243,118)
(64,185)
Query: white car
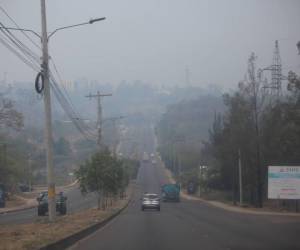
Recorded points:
(150,201)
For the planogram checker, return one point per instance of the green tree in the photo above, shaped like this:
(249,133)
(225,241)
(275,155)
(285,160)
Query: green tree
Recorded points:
(62,147)
(102,174)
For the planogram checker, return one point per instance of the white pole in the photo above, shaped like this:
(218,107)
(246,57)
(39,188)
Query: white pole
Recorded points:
(48,125)
(200,179)
(99,119)
(240,179)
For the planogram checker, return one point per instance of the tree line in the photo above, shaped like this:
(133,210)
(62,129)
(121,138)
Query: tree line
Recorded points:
(260,123)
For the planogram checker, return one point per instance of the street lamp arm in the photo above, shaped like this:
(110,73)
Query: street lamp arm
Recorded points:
(76,25)
(20,29)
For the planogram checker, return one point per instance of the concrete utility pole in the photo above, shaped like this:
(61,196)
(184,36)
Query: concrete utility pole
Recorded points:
(47,100)
(99,114)
(200,179)
(240,179)
(48,118)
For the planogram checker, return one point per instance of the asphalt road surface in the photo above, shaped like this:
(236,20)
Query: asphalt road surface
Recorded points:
(76,202)
(189,225)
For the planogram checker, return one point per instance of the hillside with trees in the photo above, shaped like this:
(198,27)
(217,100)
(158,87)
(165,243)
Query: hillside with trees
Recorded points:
(257,123)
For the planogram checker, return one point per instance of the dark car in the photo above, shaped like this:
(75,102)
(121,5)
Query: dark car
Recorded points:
(192,187)
(61,205)
(2,199)
(150,201)
(24,188)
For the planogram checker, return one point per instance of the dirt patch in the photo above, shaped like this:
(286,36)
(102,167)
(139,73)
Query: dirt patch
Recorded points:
(14,201)
(40,233)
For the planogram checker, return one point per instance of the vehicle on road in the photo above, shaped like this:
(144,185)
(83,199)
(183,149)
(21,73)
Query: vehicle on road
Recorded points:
(170,192)
(61,205)
(2,199)
(145,157)
(24,187)
(192,187)
(150,201)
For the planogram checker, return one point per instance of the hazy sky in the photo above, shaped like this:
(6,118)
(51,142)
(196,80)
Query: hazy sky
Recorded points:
(155,40)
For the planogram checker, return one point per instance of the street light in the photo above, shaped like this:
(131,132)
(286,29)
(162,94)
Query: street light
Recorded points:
(76,25)
(58,29)
(44,37)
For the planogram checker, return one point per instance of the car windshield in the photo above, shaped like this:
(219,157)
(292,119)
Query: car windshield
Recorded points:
(150,196)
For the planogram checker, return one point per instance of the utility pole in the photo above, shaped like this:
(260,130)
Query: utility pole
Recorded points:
(200,180)
(48,119)
(47,100)
(240,179)
(99,114)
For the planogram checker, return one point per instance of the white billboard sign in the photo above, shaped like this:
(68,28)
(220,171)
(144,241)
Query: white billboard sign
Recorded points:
(284,182)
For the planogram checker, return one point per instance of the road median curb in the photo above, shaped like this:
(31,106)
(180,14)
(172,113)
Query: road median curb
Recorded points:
(18,209)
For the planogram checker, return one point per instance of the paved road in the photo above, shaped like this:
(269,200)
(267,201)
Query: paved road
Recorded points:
(75,202)
(190,225)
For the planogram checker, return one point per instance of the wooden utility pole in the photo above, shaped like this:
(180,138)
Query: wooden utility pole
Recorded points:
(99,114)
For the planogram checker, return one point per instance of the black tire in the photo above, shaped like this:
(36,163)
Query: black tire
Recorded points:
(40,212)
(63,211)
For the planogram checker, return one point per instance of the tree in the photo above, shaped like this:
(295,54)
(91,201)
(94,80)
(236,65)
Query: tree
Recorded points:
(102,174)
(9,117)
(12,119)
(62,147)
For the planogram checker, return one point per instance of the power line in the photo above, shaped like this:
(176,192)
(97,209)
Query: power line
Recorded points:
(20,56)
(24,33)
(71,113)
(26,55)
(61,81)
(19,44)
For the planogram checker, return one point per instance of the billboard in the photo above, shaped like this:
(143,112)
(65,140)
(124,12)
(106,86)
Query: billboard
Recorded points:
(284,182)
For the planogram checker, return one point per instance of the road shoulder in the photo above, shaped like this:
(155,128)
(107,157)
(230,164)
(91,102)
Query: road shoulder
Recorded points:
(219,204)
(64,232)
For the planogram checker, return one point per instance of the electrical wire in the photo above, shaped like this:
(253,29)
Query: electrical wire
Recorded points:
(19,55)
(61,81)
(83,129)
(32,60)
(24,33)
(19,44)
(70,106)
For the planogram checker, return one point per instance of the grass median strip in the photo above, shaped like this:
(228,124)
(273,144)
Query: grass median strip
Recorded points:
(40,233)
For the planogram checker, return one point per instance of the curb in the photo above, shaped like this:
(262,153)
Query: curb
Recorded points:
(18,209)
(237,209)
(72,239)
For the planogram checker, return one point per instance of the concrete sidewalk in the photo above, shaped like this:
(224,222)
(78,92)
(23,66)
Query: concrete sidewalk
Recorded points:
(231,208)
(28,203)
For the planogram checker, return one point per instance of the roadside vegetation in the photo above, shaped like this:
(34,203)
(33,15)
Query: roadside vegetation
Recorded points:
(107,176)
(255,121)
